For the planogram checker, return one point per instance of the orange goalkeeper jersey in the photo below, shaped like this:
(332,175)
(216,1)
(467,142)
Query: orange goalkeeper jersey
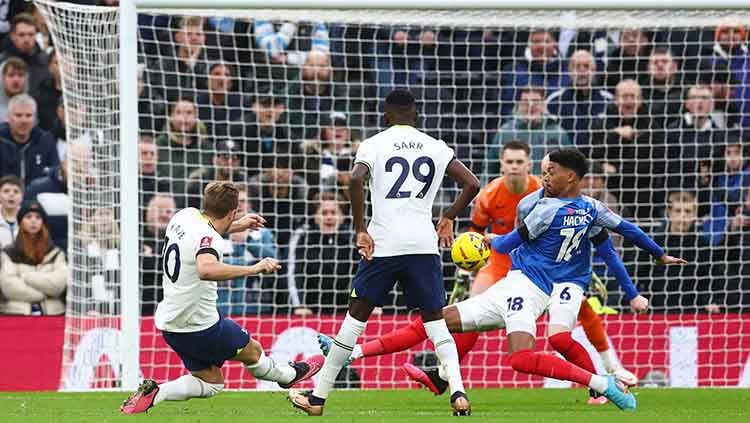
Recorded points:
(495,208)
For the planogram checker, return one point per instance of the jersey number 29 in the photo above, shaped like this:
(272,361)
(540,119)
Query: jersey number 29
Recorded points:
(570,243)
(416,170)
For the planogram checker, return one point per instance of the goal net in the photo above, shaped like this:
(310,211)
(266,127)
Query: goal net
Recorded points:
(279,100)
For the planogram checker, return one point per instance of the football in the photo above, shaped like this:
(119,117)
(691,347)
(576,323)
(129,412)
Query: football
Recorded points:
(469,252)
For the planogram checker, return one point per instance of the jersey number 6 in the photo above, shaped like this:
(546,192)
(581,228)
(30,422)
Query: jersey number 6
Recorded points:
(416,170)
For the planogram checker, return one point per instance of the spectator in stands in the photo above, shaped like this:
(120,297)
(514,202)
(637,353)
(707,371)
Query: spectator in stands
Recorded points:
(255,294)
(289,42)
(185,72)
(623,140)
(577,106)
(727,113)
(542,66)
(226,167)
(662,87)
(263,131)
(736,294)
(159,211)
(149,183)
(11,198)
(680,288)
(730,49)
(151,108)
(630,59)
(59,130)
(402,57)
(722,190)
(33,272)
(183,148)
(595,186)
(220,106)
(49,94)
(279,194)
(530,124)
(692,139)
(321,260)
(23,45)
(51,190)
(7,12)
(14,81)
(100,241)
(331,155)
(314,95)
(26,150)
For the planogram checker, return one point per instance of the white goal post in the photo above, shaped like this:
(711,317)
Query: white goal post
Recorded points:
(122,66)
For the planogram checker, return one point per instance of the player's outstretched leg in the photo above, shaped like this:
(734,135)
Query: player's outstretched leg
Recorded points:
(593,326)
(183,388)
(142,399)
(286,375)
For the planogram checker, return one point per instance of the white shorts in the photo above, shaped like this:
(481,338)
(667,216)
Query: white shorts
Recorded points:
(564,304)
(514,303)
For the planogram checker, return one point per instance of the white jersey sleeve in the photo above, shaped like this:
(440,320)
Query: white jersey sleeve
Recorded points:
(406,171)
(189,303)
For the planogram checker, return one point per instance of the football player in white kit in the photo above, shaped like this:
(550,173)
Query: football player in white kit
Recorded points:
(187,316)
(405,168)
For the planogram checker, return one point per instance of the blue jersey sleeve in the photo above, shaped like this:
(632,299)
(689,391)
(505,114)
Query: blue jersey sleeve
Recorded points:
(607,252)
(541,216)
(636,235)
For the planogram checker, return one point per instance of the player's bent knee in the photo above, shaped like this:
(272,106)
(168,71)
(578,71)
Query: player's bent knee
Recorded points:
(561,341)
(251,353)
(452,319)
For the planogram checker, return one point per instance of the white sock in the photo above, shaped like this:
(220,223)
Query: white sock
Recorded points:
(341,348)
(267,369)
(446,351)
(598,383)
(610,360)
(357,352)
(186,387)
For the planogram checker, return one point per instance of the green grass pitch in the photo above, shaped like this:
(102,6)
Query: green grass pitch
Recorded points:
(492,405)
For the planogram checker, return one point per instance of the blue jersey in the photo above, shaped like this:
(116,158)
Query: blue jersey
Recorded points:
(558,249)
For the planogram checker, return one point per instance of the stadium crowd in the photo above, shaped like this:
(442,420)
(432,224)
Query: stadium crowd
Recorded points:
(280,107)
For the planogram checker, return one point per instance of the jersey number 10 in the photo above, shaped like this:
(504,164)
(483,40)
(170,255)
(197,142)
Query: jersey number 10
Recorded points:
(416,170)
(171,250)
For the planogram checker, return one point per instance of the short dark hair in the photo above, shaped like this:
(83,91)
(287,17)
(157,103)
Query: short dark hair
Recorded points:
(400,97)
(219,199)
(571,158)
(516,145)
(532,89)
(662,50)
(13,180)
(15,63)
(22,18)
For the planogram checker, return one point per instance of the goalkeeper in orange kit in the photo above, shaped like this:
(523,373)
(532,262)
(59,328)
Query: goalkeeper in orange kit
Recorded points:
(494,209)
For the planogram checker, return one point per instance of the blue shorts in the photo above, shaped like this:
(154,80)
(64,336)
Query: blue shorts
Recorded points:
(420,275)
(209,347)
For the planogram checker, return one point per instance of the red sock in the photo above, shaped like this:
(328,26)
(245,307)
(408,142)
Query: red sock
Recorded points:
(572,350)
(399,340)
(465,342)
(548,365)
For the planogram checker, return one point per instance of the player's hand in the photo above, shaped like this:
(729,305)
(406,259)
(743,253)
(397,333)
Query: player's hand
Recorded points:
(488,237)
(267,265)
(667,260)
(251,221)
(639,304)
(445,232)
(365,245)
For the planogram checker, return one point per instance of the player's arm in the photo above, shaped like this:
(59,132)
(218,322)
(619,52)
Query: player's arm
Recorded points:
(606,251)
(611,220)
(365,243)
(504,244)
(211,269)
(469,188)
(250,221)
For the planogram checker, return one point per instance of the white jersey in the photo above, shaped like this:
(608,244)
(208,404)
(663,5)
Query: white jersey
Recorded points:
(406,170)
(189,303)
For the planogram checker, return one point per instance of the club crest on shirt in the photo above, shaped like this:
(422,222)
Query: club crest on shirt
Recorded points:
(206,241)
